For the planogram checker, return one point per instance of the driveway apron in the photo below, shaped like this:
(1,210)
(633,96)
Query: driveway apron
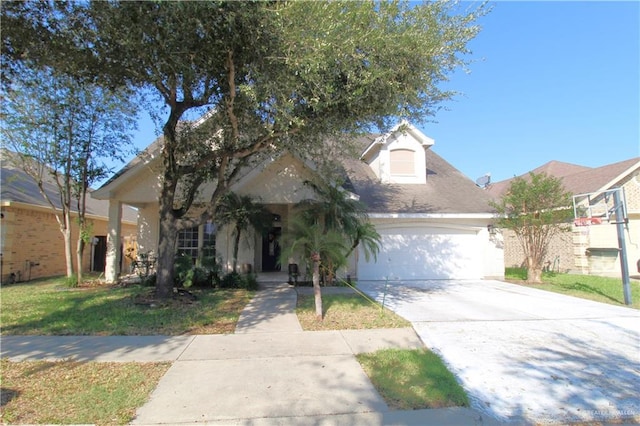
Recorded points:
(527,355)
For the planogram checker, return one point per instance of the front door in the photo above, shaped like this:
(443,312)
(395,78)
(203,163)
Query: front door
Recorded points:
(271,250)
(100,254)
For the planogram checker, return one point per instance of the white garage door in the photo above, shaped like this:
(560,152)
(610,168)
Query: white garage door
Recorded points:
(424,253)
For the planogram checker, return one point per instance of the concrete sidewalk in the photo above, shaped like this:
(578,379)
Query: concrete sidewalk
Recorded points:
(269,372)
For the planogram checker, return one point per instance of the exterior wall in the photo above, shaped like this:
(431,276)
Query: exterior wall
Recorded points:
(33,247)
(493,250)
(560,254)
(279,182)
(148,228)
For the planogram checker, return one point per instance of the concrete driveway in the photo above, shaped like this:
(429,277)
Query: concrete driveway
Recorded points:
(527,355)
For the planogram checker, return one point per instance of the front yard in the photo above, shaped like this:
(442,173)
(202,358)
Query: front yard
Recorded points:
(67,391)
(591,287)
(47,307)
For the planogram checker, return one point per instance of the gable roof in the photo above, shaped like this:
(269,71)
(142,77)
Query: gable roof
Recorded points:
(18,187)
(376,141)
(577,179)
(447,190)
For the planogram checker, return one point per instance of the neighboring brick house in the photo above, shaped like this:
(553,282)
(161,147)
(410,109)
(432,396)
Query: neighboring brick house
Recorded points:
(589,248)
(31,243)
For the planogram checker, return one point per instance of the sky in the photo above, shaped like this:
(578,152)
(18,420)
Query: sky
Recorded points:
(547,81)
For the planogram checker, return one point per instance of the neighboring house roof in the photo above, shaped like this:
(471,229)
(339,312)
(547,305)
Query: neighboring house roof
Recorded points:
(18,187)
(577,179)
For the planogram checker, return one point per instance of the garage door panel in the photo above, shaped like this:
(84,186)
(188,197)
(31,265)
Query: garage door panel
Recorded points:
(423,254)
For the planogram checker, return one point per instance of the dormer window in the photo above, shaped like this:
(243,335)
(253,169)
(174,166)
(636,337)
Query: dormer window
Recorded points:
(402,162)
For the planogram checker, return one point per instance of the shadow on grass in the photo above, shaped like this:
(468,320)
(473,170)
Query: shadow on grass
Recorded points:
(7,395)
(112,311)
(586,288)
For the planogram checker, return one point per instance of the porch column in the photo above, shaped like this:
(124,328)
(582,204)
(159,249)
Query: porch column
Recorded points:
(113,241)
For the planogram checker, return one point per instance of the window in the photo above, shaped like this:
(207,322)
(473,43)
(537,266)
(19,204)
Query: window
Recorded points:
(188,242)
(402,162)
(208,240)
(198,242)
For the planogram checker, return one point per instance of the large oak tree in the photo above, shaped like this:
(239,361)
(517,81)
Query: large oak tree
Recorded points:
(270,76)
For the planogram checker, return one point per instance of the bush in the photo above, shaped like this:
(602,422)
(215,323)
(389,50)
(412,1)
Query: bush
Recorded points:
(235,280)
(183,270)
(148,280)
(200,277)
(71,282)
(250,282)
(231,280)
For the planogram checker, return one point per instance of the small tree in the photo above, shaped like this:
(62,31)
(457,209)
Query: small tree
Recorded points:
(62,129)
(242,212)
(535,209)
(338,212)
(318,246)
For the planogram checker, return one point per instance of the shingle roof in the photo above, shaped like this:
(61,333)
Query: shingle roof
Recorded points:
(447,190)
(17,186)
(576,179)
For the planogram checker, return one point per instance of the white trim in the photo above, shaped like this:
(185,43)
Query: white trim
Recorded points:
(618,178)
(432,216)
(390,226)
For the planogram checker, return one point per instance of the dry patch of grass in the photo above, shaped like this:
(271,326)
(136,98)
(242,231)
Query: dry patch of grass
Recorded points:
(346,312)
(413,379)
(67,392)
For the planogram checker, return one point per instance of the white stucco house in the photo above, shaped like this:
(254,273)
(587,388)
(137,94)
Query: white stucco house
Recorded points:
(434,221)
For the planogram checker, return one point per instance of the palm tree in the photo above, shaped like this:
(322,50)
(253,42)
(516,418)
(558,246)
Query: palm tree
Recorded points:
(242,212)
(318,246)
(343,214)
(367,235)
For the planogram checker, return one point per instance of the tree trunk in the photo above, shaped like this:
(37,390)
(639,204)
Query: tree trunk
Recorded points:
(79,253)
(68,251)
(166,252)
(534,271)
(317,292)
(236,246)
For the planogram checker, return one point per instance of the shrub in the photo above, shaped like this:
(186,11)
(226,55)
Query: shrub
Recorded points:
(249,282)
(148,280)
(71,282)
(231,280)
(200,277)
(236,280)
(183,270)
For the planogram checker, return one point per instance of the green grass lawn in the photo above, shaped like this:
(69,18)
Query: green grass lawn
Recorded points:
(67,392)
(413,379)
(47,307)
(346,312)
(600,289)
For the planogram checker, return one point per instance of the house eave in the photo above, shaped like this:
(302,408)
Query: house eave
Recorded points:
(48,209)
(432,216)
(618,178)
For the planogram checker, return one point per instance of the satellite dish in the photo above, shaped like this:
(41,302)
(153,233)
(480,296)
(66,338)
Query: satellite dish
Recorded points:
(484,181)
